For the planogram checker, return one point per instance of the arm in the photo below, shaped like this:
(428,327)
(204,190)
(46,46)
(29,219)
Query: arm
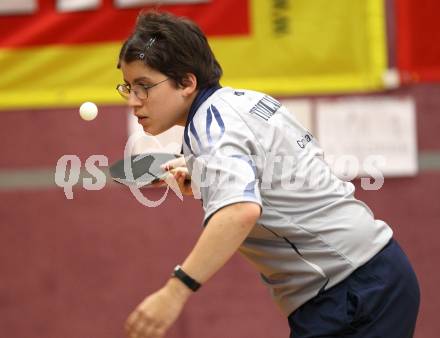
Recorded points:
(221,238)
(223,235)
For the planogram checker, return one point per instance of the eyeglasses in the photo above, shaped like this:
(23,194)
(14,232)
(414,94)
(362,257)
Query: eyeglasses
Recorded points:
(140,90)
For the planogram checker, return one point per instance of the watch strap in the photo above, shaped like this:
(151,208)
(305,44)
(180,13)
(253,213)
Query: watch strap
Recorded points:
(185,278)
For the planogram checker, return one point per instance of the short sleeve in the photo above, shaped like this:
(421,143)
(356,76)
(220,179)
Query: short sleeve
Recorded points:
(221,157)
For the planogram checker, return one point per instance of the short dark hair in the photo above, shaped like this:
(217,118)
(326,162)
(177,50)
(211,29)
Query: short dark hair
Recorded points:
(174,46)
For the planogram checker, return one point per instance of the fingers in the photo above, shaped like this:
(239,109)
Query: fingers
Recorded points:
(177,179)
(158,184)
(180,172)
(174,163)
(132,324)
(154,315)
(181,175)
(183,179)
(141,325)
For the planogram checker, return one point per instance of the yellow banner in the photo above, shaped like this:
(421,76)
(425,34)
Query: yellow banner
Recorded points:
(295,47)
(309,46)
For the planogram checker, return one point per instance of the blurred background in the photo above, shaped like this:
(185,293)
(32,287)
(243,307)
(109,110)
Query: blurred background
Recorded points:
(362,75)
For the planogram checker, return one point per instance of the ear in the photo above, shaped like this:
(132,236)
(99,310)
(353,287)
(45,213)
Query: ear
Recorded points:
(189,84)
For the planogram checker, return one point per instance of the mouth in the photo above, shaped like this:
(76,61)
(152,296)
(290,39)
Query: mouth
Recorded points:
(141,119)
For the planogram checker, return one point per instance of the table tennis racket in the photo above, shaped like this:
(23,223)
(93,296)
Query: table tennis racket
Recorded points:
(141,170)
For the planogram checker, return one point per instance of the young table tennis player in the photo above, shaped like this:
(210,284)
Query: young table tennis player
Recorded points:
(331,267)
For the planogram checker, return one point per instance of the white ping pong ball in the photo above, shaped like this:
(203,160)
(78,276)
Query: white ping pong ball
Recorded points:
(88,111)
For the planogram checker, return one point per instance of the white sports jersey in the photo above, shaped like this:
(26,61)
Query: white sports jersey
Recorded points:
(242,146)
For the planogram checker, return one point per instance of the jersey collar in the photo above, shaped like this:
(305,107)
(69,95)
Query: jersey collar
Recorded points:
(201,97)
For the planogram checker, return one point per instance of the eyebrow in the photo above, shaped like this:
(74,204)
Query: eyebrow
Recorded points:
(139,79)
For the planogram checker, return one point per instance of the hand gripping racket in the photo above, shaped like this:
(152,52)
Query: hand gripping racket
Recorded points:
(141,170)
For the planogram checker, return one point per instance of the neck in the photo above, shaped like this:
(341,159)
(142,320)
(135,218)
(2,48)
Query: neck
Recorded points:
(191,98)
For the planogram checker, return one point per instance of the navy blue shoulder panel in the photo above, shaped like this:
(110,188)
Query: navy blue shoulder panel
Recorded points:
(201,97)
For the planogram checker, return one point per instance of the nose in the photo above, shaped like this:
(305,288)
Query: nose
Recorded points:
(133,100)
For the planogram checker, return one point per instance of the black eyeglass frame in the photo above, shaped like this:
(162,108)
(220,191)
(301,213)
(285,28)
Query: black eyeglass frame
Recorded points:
(125,89)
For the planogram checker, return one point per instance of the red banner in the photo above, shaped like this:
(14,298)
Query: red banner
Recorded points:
(418,40)
(108,23)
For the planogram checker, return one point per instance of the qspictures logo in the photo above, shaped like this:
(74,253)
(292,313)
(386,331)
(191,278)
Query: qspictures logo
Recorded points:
(225,171)
(68,172)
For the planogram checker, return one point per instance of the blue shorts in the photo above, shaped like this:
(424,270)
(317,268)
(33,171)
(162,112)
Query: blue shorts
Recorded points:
(378,300)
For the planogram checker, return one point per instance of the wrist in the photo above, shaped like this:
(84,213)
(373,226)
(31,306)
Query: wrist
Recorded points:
(185,279)
(178,289)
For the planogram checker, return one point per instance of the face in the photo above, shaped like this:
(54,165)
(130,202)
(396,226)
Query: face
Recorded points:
(167,104)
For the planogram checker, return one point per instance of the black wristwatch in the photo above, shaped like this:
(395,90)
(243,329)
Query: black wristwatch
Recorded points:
(185,279)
